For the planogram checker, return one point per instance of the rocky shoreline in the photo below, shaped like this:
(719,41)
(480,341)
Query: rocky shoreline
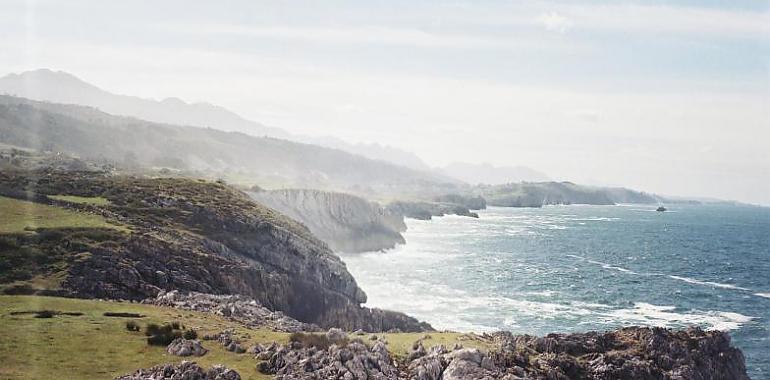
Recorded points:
(628,353)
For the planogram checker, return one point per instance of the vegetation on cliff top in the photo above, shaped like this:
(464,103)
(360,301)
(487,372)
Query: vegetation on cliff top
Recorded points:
(93,346)
(25,216)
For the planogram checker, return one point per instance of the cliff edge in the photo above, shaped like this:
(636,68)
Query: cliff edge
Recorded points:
(347,223)
(179,234)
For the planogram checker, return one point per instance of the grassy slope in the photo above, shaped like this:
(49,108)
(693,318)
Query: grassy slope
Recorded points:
(18,216)
(96,347)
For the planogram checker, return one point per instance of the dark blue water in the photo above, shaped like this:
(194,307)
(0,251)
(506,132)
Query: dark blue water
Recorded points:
(577,268)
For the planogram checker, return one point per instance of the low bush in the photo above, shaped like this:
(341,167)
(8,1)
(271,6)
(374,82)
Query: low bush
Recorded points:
(45,314)
(161,335)
(190,334)
(132,326)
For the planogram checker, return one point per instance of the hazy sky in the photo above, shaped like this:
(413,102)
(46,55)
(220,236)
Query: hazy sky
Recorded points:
(665,96)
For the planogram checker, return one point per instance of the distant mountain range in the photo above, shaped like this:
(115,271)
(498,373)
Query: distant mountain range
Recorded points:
(92,134)
(63,87)
(131,131)
(492,175)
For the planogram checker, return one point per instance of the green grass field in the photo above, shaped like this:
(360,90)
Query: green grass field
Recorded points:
(19,216)
(93,346)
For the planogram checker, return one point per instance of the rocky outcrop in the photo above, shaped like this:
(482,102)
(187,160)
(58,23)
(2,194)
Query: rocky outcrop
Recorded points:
(242,309)
(228,340)
(629,353)
(200,236)
(186,347)
(347,223)
(471,202)
(423,210)
(183,371)
(351,361)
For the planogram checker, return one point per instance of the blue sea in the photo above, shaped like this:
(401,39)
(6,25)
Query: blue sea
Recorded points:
(578,268)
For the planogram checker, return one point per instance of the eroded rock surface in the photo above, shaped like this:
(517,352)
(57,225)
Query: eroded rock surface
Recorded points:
(629,353)
(238,308)
(183,371)
(347,223)
(186,347)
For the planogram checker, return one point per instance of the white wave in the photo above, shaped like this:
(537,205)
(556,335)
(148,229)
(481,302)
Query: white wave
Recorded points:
(542,293)
(446,307)
(665,316)
(604,265)
(765,295)
(595,219)
(708,283)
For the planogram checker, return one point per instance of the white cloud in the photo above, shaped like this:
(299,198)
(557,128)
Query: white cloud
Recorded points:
(661,19)
(554,22)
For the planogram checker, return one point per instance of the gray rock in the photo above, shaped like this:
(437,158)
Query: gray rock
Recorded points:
(183,371)
(336,335)
(186,347)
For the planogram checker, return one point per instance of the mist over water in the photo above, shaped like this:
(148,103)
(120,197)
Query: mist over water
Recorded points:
(579,268)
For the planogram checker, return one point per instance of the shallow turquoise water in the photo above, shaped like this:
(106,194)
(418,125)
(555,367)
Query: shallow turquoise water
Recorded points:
(577,268)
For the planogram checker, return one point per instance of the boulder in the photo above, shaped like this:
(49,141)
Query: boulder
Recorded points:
(186,347)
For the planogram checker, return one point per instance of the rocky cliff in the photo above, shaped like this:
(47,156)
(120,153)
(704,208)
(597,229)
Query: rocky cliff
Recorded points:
(188,235)
(425,210)
(347,223)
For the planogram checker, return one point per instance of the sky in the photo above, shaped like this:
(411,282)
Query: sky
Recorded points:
(671,97)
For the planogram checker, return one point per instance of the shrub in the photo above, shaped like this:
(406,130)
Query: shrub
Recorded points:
(175,325)
(151,329)
(132,326)
(161,335)
(190,334)
(45,314)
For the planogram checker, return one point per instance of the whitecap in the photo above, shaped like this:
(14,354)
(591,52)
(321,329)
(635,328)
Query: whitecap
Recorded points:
(666,316)
(604,265)
(764,295)
(708,283)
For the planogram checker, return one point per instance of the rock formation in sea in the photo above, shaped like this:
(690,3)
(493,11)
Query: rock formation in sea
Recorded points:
(347,223)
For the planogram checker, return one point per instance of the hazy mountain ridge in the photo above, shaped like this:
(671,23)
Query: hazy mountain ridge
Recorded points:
(92,134)
(63,87)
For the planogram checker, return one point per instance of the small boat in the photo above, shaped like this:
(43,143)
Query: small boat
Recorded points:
(660,209)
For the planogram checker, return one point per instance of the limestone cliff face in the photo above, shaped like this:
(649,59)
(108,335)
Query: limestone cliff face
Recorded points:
(424,210)
(196,236)
(347,223)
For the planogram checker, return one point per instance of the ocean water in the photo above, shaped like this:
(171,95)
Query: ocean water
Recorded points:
(578,268)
